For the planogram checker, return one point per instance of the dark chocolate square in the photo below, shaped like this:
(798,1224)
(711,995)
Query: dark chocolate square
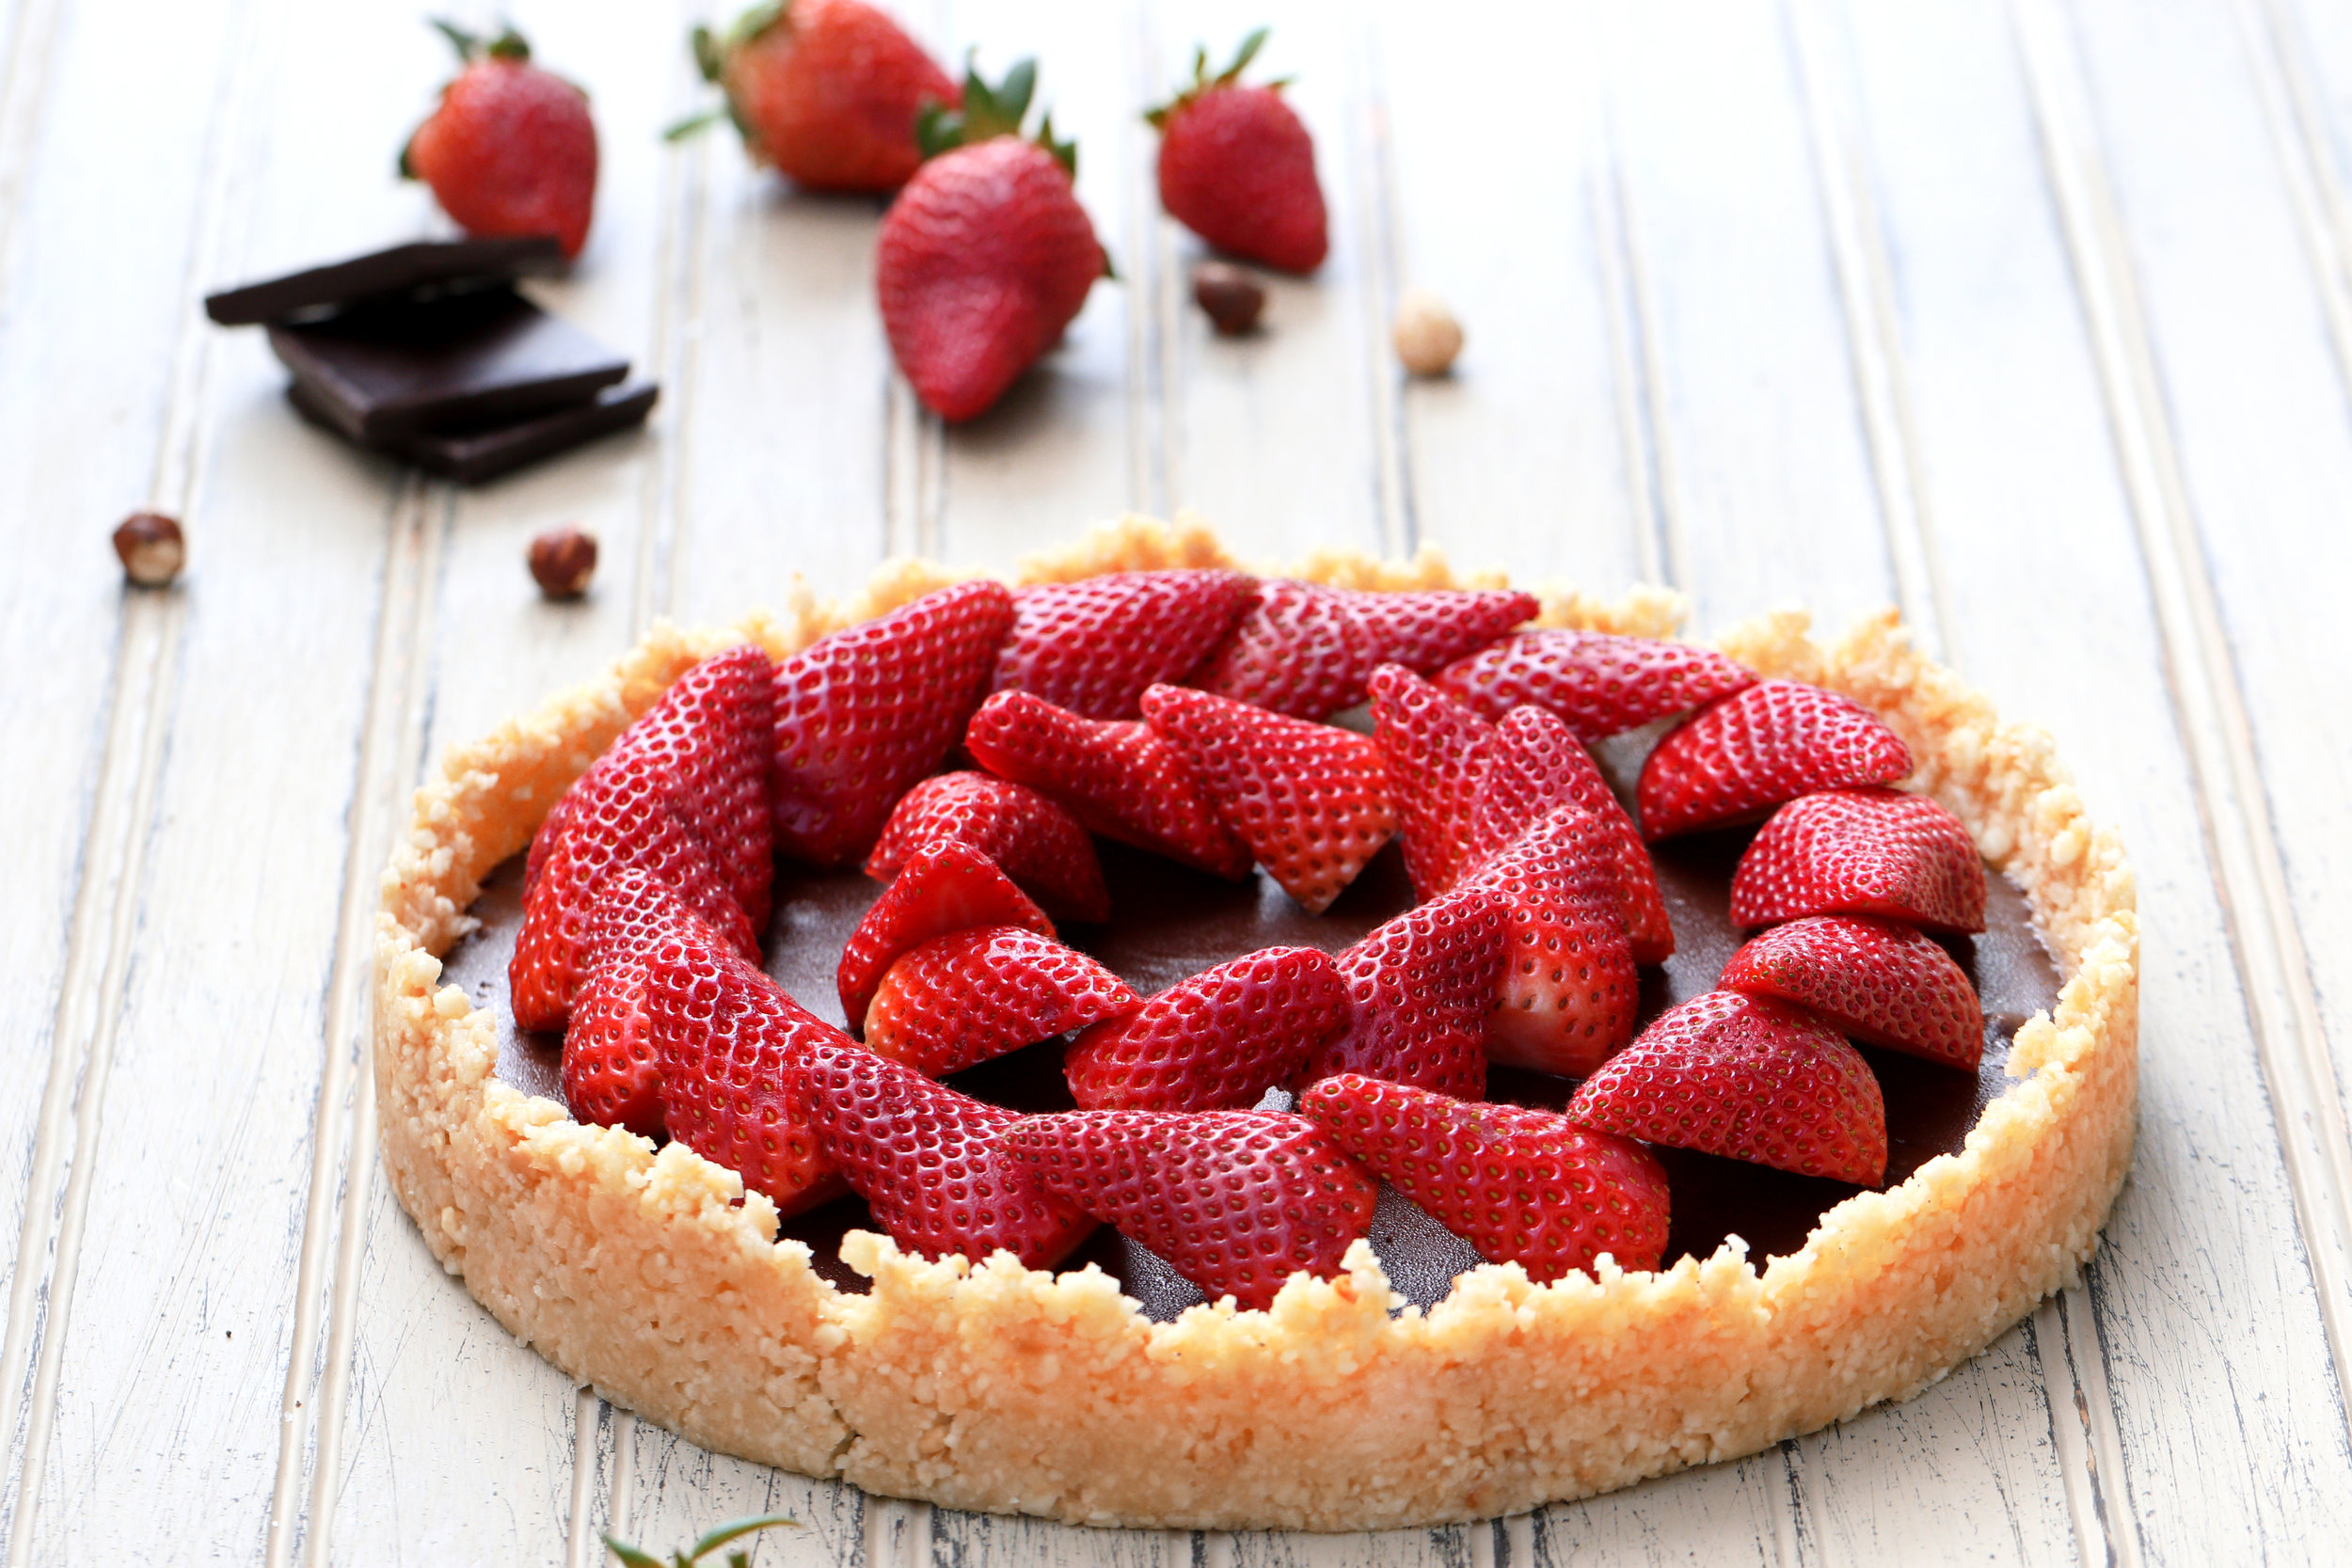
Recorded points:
(471,456)
(403,269)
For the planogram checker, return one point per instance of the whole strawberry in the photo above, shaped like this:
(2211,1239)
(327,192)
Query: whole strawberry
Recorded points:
(1237,166)
(986,256)
(511,148)
(825,91)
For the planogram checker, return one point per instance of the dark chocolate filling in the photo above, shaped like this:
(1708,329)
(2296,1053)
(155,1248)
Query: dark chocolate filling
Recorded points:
(1169,923)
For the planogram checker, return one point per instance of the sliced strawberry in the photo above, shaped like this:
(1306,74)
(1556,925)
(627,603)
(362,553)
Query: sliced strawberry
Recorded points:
(1031,838)
(969,996)
(623,821)
(727,1037)
(942,888)
(1434,751)
(1091,646)
(864,713)
(1119,779)
(1534,768)
(1568,991)
(1308,651)
(1885,984)
(1216,1041)
(1598,683)
(1751,751)
(1862,851)
(1420,990)
(1749,1078)
(1310,801)
(612,1068)
(1525,1187)
(927,1160)
(1235,1201)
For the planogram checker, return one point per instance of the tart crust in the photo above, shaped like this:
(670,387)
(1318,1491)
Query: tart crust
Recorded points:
(655,1277)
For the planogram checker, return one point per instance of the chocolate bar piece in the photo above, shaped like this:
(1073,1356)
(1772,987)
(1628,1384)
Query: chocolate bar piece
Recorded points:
(474,455)
(384,372)
(404,269)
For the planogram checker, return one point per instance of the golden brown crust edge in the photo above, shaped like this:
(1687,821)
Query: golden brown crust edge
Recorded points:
(995,1387)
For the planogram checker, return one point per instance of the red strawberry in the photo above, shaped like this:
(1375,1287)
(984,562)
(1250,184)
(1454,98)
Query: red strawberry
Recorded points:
(1434,751)
(612,1066)
(1601,684)
(713,734)
(1749,1078)
(1119,779)
(1032,840)
(1235,1201)
(1216,1041)
(1237,166)
(1309,651)
(1525,1187)
(1862,851)
(1885,984)
(863,714)
(727,1037)
(623,822)
(986,256)
(1535,767)
(1419,988)
(826,90)
(1568,991)
(1752,750)
(969,996)
(942,888)
(1091,646)
(1310,801)
(927,1160)
(511,148)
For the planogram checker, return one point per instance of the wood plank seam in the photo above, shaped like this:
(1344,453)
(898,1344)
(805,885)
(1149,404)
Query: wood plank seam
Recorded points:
(1373,172)
(2314,183)
(1639,375)
(2201,680)
(1153,302)
(32,45)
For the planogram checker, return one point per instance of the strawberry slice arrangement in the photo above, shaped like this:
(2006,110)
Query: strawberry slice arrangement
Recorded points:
(1165,711)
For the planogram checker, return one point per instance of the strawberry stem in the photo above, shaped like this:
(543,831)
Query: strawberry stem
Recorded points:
(1201,81)
(988,112)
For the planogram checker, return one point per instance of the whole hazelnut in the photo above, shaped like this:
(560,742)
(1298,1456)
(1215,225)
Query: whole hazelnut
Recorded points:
(1231,297)
(562,561)
(152,546)
(1428,336)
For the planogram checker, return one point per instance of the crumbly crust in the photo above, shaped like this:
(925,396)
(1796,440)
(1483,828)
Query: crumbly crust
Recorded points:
(656,1278)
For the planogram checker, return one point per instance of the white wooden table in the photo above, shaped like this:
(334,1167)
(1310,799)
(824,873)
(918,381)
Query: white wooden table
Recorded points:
(2036,319)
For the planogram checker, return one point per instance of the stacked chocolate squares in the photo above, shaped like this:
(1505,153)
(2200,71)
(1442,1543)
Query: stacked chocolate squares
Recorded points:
(427,353)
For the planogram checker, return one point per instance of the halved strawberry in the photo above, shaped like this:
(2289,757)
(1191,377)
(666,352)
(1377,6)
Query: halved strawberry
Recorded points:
(1419,988)
(927,1160)
(1598,683)
(1535,767)
(1235,1201)
(1881,983)
(1308,651)
(726,1037)
(1091,646)
(1310,801)
(611,1067)
(1753,751)
(1568,992)
(1118,777)
(1030,837)
(1434,751)
(1862,851)
(864,713)
(1216,1041)
(1749,1078)
(969,996)
(623,821)
(942,888)
(1525,1187)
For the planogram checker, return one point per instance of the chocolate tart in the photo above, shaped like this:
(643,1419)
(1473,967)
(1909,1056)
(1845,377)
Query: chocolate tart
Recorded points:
(1421,1386)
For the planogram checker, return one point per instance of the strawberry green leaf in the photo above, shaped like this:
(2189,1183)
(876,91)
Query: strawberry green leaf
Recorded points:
(467,44)
(735,1530)
(508,45)
(710,59)
(989,111)
(630,1555)
(1248,51)
(692,125)
(1203,82)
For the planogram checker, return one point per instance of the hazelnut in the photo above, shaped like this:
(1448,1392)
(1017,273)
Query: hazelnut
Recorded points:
(1428,336)
(152,547)
(562,561)
(1231,297)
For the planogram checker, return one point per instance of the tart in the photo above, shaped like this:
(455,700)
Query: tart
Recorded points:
(1416,1384)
